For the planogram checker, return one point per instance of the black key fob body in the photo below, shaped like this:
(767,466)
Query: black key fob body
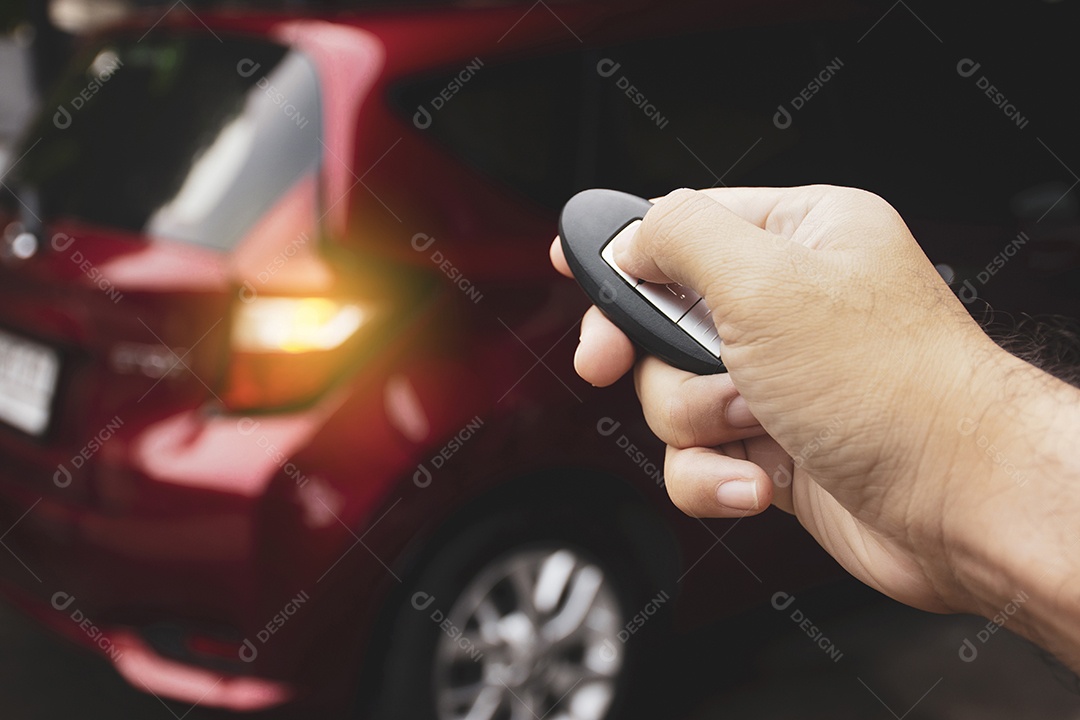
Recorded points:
(671,322)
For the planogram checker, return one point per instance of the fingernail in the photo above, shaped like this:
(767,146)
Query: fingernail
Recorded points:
(738,413)
(621,244)
(577,357)
(738,494)
(619,252)
(577,364)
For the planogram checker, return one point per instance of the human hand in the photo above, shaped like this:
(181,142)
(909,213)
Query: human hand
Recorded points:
(850,364)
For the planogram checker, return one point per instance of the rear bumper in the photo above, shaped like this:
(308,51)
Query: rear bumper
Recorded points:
(145,669)
(129,563)
(149,550)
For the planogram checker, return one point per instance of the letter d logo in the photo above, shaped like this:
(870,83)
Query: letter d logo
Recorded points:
(421,241)
(782,477)
(248,293)
(422,477)
(61,242)
(422,118)
(422,600)
(246,426)
(62,477)
(62,601)
(968,652)
(608,294)
(607,67)
(967,67)
(606,426)
(247,67)
(61,118)
(248,651)
(782,600)
(782,118)
(968,293)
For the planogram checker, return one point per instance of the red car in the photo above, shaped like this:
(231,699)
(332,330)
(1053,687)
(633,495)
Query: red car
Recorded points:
(288,410)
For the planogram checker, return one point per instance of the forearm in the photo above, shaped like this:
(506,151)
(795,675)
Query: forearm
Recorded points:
(1015,541)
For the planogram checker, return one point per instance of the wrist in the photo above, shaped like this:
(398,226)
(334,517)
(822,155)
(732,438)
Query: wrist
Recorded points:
(1011,526)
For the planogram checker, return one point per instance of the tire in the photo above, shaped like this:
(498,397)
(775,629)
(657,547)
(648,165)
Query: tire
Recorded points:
(523,615)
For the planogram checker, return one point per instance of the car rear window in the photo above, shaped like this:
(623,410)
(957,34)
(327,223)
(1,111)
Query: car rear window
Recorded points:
(184,137)
(515,121)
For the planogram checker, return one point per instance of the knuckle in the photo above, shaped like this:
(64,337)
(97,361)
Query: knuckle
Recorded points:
(679,486)
(672,418)
(668,218)
(870,198)
(677,419)
(658,416)
(868,201)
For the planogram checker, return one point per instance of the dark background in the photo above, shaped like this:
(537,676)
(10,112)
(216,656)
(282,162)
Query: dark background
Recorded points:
(896,662)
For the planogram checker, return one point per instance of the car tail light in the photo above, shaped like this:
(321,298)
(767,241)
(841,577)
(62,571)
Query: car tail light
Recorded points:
(286,350)
(294,325)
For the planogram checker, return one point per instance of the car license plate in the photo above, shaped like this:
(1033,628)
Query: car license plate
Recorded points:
(28,372)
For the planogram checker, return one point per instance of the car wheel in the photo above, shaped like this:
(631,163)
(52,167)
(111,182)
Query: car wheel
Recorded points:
(516,621)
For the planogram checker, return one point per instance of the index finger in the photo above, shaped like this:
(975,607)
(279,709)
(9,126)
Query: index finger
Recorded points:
(558,259)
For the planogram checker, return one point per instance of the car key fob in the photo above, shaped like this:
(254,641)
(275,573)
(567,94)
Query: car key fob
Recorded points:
(671,321)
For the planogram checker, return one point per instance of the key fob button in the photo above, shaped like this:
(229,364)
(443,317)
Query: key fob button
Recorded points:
(673,300)
(698,323)
(668,321)
(609,257)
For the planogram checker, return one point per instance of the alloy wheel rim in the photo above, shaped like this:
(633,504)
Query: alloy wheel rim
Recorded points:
(535,634)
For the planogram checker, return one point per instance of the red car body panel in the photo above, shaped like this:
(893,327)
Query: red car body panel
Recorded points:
(192,525)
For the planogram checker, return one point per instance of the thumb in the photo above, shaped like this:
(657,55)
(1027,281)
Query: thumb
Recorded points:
(689,238)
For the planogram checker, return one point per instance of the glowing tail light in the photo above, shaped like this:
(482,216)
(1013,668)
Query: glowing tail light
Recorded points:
(287,350)
(294,325)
